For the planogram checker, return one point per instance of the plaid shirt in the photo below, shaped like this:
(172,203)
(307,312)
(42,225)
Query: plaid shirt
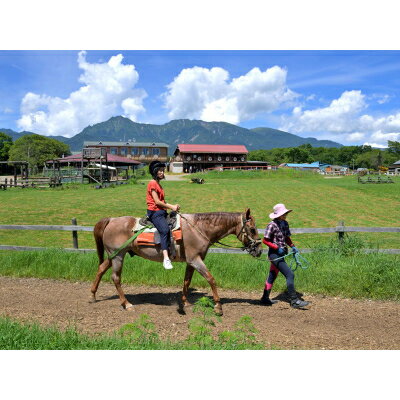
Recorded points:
(277,231)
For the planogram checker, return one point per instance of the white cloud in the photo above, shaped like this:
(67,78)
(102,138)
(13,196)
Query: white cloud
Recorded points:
(225,109)
(310,97)
(384,137)
(337,117)
(7,110)
(384,99)
(207,94)
(343,120)
(355,137)
(380,98)
(106,89)
(379,145)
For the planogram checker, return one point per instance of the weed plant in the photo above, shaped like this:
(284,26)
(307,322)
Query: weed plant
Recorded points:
(201,325)
(141,331)
(348,245)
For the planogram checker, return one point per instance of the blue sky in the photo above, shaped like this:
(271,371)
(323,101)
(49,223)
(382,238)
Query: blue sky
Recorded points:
(348,96)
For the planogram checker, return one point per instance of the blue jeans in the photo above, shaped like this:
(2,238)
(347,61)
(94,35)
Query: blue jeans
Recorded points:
(159,219)
(281,266)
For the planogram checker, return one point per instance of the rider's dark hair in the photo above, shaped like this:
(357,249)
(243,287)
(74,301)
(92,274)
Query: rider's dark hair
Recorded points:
(154,167)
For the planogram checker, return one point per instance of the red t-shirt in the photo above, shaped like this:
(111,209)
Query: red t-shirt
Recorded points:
(154,185)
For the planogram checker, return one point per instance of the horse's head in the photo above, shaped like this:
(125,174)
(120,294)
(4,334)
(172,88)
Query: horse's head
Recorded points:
(248,235)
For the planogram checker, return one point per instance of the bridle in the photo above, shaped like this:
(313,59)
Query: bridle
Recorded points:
(252,244)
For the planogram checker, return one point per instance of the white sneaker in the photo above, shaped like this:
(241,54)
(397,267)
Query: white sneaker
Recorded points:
(167,264)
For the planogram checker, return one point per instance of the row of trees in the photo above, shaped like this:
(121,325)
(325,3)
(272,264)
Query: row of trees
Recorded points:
(351,156)
(35,149)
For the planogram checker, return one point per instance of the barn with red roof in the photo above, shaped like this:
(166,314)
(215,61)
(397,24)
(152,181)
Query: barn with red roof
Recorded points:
(197,157)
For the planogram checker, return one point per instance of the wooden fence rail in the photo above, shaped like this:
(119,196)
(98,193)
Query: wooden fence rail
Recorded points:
(341,229)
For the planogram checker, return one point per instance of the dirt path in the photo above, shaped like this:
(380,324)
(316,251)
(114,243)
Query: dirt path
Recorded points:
(173,177)
(330,323)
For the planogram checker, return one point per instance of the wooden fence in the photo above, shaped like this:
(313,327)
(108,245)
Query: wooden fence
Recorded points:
(341,229)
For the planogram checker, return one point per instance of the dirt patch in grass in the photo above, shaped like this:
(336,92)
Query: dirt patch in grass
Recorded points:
(329,323)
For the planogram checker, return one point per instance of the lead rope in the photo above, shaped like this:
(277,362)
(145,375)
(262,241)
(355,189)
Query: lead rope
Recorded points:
(297,261)
(130,240)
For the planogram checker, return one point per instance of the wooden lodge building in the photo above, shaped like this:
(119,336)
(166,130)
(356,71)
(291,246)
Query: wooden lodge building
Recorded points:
(142,152)
(197,157)
(186,158)
(395,168)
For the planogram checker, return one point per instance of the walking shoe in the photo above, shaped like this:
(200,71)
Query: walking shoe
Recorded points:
(297,303)
(167,264)
(267,302)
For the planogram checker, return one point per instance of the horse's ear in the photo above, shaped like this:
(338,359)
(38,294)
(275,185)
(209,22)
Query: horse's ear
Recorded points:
(247,212)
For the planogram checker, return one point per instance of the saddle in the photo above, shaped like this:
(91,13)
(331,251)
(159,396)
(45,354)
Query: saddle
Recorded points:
(173,221)
(151,237)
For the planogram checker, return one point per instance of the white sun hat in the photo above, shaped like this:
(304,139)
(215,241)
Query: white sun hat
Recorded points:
(279,209)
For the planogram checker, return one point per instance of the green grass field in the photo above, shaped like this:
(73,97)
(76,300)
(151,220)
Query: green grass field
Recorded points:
(316,201)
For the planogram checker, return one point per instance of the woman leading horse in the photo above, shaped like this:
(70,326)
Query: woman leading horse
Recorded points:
(199,232)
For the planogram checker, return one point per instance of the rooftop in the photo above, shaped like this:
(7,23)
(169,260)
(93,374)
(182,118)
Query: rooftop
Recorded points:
(212,148)
(315,164)
(135,144)
(110,158)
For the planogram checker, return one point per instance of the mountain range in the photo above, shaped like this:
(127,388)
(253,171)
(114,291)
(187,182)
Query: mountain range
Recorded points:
(121,129)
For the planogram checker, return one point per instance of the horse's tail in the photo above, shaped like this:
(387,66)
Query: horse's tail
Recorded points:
(98,237)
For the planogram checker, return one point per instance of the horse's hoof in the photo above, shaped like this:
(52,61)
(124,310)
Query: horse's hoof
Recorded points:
(127,307)
(183,307)
(92,299)
(218,311)
(181,310)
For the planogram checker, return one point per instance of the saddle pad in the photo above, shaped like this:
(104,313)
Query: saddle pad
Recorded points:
(139,226)
(147,238)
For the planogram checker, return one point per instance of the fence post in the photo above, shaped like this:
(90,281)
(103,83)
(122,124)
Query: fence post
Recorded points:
(74,234)
(340,233)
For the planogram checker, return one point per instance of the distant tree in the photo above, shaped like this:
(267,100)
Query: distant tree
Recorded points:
(274,156)
(306,146)
(299,155)
(259,155)
(36,149)
(374,159)
(394,147)
(379,159)
(5,145)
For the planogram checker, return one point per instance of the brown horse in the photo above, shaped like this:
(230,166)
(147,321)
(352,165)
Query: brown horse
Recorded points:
(199,232)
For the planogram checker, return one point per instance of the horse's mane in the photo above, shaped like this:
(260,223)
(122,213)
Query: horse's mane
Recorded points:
(215,217)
